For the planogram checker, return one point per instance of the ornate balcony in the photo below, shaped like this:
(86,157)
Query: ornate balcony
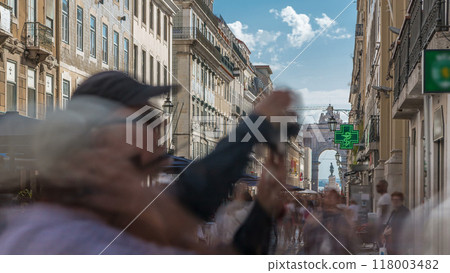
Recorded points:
(426,18)
(239,53)
(183,33)
(38,41)
(204,7)
(228,64)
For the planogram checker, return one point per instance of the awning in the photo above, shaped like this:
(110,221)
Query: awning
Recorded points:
(13,124)
(16,134)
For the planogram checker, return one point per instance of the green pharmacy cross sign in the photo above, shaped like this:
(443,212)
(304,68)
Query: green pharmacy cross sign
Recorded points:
(347,137)
(436,71)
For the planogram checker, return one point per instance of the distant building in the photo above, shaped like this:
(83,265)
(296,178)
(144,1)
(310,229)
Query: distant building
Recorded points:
(214,70)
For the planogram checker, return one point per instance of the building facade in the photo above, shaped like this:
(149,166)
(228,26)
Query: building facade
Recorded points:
(410,137)
(214,71)
(382,153)
(28,57)
(50,46)
(152,42)
(95,36)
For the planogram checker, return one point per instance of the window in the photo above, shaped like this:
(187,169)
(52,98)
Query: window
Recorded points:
(158,23)
(31,10)
(126,57)
(105,43)
(65,21)
(144,64)
(31,84)
(136,7)
(49,23)
(165,75)
(11,88)
(158,74)
(13,5)
(126,4)
(49,93)
(165,28)
(93,37)
(80,28)
(152,70)
(135,61)
(65,93)
(116,49)
(144,11)
(151,16)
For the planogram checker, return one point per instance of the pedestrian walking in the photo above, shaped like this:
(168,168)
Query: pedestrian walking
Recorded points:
(395,225)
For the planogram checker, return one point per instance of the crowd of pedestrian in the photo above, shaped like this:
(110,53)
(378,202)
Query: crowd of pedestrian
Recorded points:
(92,198)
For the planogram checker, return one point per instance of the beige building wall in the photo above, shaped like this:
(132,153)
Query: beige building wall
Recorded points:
(81,50)
(26,62)
(385,153)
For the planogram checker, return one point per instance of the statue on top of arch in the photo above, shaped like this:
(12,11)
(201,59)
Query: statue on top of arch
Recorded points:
(330,112)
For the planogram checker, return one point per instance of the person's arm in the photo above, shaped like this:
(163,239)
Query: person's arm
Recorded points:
(206,183)
(253,237)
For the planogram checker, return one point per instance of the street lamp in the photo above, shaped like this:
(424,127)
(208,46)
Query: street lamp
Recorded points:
(332,124)
(168,106)
(337,156)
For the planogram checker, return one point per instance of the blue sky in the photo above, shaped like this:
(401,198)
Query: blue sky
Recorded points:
(278,30)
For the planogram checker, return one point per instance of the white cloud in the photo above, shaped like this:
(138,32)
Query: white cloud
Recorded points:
(253,40)
(343,36)
(239,31)
(325,21)
(274,11)
(302,30)
(300,23)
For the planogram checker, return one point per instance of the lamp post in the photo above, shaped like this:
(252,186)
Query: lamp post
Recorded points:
(337,156)
(168,106)
(332,124)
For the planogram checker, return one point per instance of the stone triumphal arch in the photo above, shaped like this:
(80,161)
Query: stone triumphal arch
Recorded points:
(320,138)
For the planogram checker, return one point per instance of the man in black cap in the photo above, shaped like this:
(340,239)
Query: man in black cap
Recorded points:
(98,163)
(205,184)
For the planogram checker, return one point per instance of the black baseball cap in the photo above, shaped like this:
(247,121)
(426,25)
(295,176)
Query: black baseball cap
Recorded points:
(119,87)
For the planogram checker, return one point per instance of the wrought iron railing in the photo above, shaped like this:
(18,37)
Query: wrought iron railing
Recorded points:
(204,7)
(180,33)
(415,43)
(239,53)
(38,35)
(401,61)
(228,64)
(433,16)
(426,17)
(374,129)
